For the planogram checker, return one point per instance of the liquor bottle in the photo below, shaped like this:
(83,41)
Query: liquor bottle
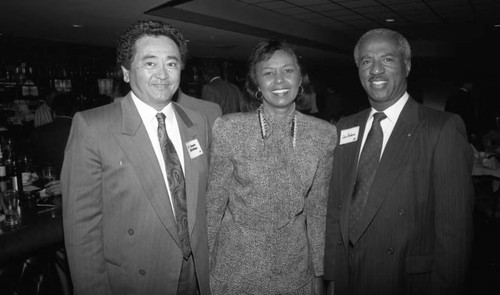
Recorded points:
(26,170)
(12,173)
(15,176)
(3,173)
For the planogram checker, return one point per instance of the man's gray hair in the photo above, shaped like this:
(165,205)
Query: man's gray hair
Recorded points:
(403,45)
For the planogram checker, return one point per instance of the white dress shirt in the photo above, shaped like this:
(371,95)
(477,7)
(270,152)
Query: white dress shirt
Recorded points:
(148,116)
(387,124)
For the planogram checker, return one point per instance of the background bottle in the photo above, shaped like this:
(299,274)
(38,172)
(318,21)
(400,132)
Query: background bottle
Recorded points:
(26,169)
(3,173)
(12,173)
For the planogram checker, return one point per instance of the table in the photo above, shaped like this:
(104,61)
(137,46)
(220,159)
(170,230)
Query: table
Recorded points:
(37,231)
(28,253)
(479,170)
(487,197)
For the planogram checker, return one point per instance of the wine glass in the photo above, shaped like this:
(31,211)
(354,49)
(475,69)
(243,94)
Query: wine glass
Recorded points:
(49,173)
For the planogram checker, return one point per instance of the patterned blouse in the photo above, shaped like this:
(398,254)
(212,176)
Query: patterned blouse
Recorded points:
(266,201)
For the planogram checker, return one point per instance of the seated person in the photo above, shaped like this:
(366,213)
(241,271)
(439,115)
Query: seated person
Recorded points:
(491,141)
(45,112)
(49,141)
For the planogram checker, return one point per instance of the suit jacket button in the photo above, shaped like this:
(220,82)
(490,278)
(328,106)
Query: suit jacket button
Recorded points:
(390,251)
(142,272)
(402,211)
(131,232)
(339,242)
(340,206)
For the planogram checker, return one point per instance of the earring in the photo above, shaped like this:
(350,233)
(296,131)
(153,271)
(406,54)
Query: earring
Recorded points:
(301,90)
(258,95)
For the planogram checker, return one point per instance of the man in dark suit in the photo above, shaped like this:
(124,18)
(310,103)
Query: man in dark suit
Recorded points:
(461,102)
(399,215)
(225,94)
(134,179)
(48,141)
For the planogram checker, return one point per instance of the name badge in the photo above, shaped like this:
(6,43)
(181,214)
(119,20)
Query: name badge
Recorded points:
(349,135)
(194,148)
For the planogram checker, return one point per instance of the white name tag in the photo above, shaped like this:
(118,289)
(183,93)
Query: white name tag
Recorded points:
(349,135)
(194,148)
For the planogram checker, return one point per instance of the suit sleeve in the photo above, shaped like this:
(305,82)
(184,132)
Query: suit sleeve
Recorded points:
(454,203)
(219,179)
(82,211)
(316,203)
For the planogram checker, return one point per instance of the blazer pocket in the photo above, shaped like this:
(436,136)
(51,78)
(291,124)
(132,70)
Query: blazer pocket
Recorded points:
(419,264)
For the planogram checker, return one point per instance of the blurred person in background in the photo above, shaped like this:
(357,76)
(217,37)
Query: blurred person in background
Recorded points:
(48,141)
(44,114)
(224,93)
(463,103)
(47,148)
(308,104)
(210,110)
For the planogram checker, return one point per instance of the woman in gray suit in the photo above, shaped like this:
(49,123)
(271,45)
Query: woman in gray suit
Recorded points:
(268,181)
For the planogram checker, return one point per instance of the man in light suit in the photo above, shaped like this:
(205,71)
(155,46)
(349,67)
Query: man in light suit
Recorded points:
(412,233)
(120,213)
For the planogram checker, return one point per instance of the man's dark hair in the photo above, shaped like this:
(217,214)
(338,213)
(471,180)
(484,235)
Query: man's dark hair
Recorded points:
(126,43)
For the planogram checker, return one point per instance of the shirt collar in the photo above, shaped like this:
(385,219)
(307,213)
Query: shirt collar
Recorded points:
(394,111)
(214,78)
(147,112)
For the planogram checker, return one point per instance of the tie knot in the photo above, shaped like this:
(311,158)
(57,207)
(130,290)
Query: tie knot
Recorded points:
(379,116)
(161,118)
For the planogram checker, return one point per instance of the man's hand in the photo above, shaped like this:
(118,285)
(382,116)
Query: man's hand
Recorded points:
(319,286)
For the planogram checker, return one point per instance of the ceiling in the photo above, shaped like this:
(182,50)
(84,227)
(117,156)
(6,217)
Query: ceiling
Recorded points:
(324,31)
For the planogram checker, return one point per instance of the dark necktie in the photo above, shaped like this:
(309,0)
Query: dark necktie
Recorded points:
(367,167)
(176,184)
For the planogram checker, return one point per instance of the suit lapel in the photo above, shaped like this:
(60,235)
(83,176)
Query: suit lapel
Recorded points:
(134,141)
(395,155)
(188,133)
(349,163)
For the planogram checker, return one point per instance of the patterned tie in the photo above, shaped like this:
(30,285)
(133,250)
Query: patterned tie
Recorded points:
(367,167)
(176,184)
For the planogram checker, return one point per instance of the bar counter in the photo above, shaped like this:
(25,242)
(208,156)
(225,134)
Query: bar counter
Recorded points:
(32,257)
(40,228)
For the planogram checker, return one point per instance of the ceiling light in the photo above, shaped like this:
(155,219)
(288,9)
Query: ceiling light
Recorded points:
(77,26)
(497,26)
(389,20)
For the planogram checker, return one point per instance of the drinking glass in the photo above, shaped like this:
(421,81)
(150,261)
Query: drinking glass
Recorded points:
(49,173)
(11,208)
